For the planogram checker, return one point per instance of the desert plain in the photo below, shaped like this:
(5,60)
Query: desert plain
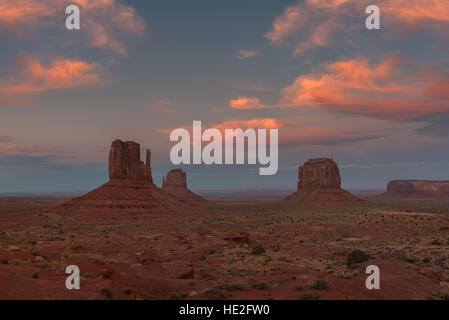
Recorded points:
(233,248)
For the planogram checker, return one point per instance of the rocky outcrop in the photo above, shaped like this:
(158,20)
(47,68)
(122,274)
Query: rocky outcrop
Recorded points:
(417,189)
(319,183)
(130,188)
(319,173)
(176,184)
(125,163)
(175,178)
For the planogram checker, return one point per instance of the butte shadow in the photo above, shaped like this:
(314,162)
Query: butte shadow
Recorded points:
(130,189)
(319,184)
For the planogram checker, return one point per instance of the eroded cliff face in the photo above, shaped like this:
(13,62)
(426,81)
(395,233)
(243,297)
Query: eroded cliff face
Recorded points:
(417,189)
(125,163)
(319,184)
(319,173)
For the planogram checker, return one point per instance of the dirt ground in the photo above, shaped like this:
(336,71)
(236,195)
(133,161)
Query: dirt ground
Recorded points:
(234,249)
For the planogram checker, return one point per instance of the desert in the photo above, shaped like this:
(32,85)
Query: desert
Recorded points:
(133,240)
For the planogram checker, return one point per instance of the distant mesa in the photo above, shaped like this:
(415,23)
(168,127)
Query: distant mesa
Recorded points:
(417,189)
(319,183)
(176,184)
(130,188)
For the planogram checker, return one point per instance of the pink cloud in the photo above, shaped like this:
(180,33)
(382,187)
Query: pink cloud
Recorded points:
(247,103)
(105,22)
(59,74)
(314,23)
(386,90)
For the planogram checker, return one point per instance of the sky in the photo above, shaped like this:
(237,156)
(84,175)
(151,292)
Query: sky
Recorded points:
(376,101)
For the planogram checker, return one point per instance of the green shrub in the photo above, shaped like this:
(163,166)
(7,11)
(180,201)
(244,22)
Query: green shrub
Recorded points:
(107,292)
(357,256)
(319,284)
(311,296)
(258,250)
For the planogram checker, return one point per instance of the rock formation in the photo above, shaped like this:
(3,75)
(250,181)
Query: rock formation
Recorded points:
(176,184)
(319,183)
(417,189)
(130,188)
(124,162)
(319,173)
(175,178)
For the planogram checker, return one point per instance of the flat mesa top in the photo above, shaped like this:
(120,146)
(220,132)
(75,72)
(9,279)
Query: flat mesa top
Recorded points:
(319,160)
(417,180)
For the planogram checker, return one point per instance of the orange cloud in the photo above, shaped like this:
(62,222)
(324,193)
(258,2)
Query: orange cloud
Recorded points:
(354,86)
(59,74)
(413,11)
(247,103)
(102,20)
(258,123)
(261,123)
(313,23)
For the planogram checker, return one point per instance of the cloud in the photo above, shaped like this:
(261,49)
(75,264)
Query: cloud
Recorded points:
(258,123)
(247,103)
(245,54)
(386,90)
(58,74)
(105,22)
(314,23)
(165,102)
(305,131)
(4,138)
(327,136)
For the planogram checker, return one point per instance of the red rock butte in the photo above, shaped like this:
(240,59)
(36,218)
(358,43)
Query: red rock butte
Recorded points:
(319,183)
(124,162)
(130,188)
(417,189)
(176,184)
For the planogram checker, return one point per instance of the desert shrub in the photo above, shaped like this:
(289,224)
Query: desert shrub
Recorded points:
(176,295)
(346,275)
(258,250)
(261,286)
(357,256)
(107,292)
(311,296)
(319,284)
(436,242)
(298,288)
(35,275)
(236,287)
(444,294)
(99,261)
(216,294)
(88,275)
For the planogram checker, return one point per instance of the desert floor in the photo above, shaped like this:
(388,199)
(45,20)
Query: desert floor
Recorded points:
(236,248)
